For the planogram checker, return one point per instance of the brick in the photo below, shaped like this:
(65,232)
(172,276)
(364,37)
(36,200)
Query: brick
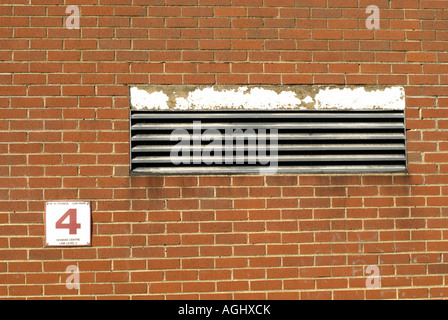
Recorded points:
(420,57)
(230,12)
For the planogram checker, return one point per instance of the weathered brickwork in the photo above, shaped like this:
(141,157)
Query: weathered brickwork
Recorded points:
(64,135)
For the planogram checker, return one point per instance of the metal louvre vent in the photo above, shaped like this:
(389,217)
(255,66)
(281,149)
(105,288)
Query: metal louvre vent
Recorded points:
(296,141)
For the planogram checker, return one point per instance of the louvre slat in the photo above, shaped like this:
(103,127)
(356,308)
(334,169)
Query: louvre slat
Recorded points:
(281,158)
(257,170)
(266,115)
(289,147)
(273,125)
(286,136)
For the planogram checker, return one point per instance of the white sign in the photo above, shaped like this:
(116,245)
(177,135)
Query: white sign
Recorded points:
(67,223)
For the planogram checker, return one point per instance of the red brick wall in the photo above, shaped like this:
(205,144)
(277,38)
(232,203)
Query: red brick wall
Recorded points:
(64,109)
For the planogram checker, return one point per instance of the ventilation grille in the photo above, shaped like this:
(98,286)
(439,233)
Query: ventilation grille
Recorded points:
(308,142)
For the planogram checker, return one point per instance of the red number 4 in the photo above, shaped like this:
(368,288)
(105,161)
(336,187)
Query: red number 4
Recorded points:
(72,225)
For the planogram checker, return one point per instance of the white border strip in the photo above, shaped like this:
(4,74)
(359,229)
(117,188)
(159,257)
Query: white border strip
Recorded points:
(259,98)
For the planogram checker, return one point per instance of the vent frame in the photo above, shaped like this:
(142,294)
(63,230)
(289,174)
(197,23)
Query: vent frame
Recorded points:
(236,169)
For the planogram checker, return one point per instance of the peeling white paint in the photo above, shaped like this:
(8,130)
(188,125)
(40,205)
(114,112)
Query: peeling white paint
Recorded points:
(360,99)
(308,99)
(258,98)
(242,98)
(141,100)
